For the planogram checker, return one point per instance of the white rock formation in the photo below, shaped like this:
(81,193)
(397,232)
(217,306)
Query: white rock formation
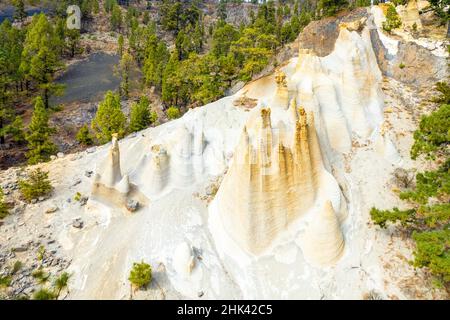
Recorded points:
(343,89)
(183,260)
(110,173)
(273,178)
(323,242)
(279,172)
(409,13)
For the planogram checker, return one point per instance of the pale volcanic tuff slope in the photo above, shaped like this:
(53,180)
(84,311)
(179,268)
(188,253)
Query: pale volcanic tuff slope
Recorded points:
(309,110)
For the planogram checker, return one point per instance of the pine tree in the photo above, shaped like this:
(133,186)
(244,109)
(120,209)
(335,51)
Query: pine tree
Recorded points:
(109,5)
(16,130)
(40,57)
(19,13)
(5,107)
(433,134)
(155,61)
(170,81)
(109,118)
(440,8)
(72,38)
(305,19)
(38,136)
(95,7)
(116,18)
(84,136)
(140,117)
(222,39)
(11,47)
(222,9)
(331,7)
(126,64)
(3,207)
(120,42)
(393,20)
(36,185)
(10,76)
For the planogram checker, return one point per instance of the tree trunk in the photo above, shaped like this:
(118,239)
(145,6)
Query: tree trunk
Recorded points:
(2,136)
(46,98)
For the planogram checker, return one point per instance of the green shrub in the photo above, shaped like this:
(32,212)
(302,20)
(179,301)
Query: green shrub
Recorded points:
(436,215)
(362,3)
(173,113)
(37,185)
(434,183)
(16,130)
(331,7)
(3,207)
(140,274)
(5,281)
(44,294)
(140,115)
(393,20)
(39,134)
(433,251)
(61,282)
(40,275)
(77,196)
(401,65)
(109,119)
(444,90)
(153,117)
(433,133)
(41,253)
(84,136)
(382,217)
(17,266)
(399,2)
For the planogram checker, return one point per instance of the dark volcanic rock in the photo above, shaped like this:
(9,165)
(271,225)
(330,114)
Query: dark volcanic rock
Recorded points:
(420,67)
(320,36)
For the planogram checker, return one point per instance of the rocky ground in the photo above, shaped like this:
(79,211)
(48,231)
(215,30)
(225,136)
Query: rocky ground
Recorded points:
(404,105)
(30,240)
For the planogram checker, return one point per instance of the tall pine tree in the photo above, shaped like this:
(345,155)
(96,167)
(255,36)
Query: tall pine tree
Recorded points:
(38,136)
(109,118)
(40,58)
(140,117)
(19,13)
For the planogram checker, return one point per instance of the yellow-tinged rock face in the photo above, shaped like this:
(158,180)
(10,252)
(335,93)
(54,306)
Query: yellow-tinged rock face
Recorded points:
(272,180)
(409,14)
(323,243)
(356,25)
(278,174)
(112,173)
